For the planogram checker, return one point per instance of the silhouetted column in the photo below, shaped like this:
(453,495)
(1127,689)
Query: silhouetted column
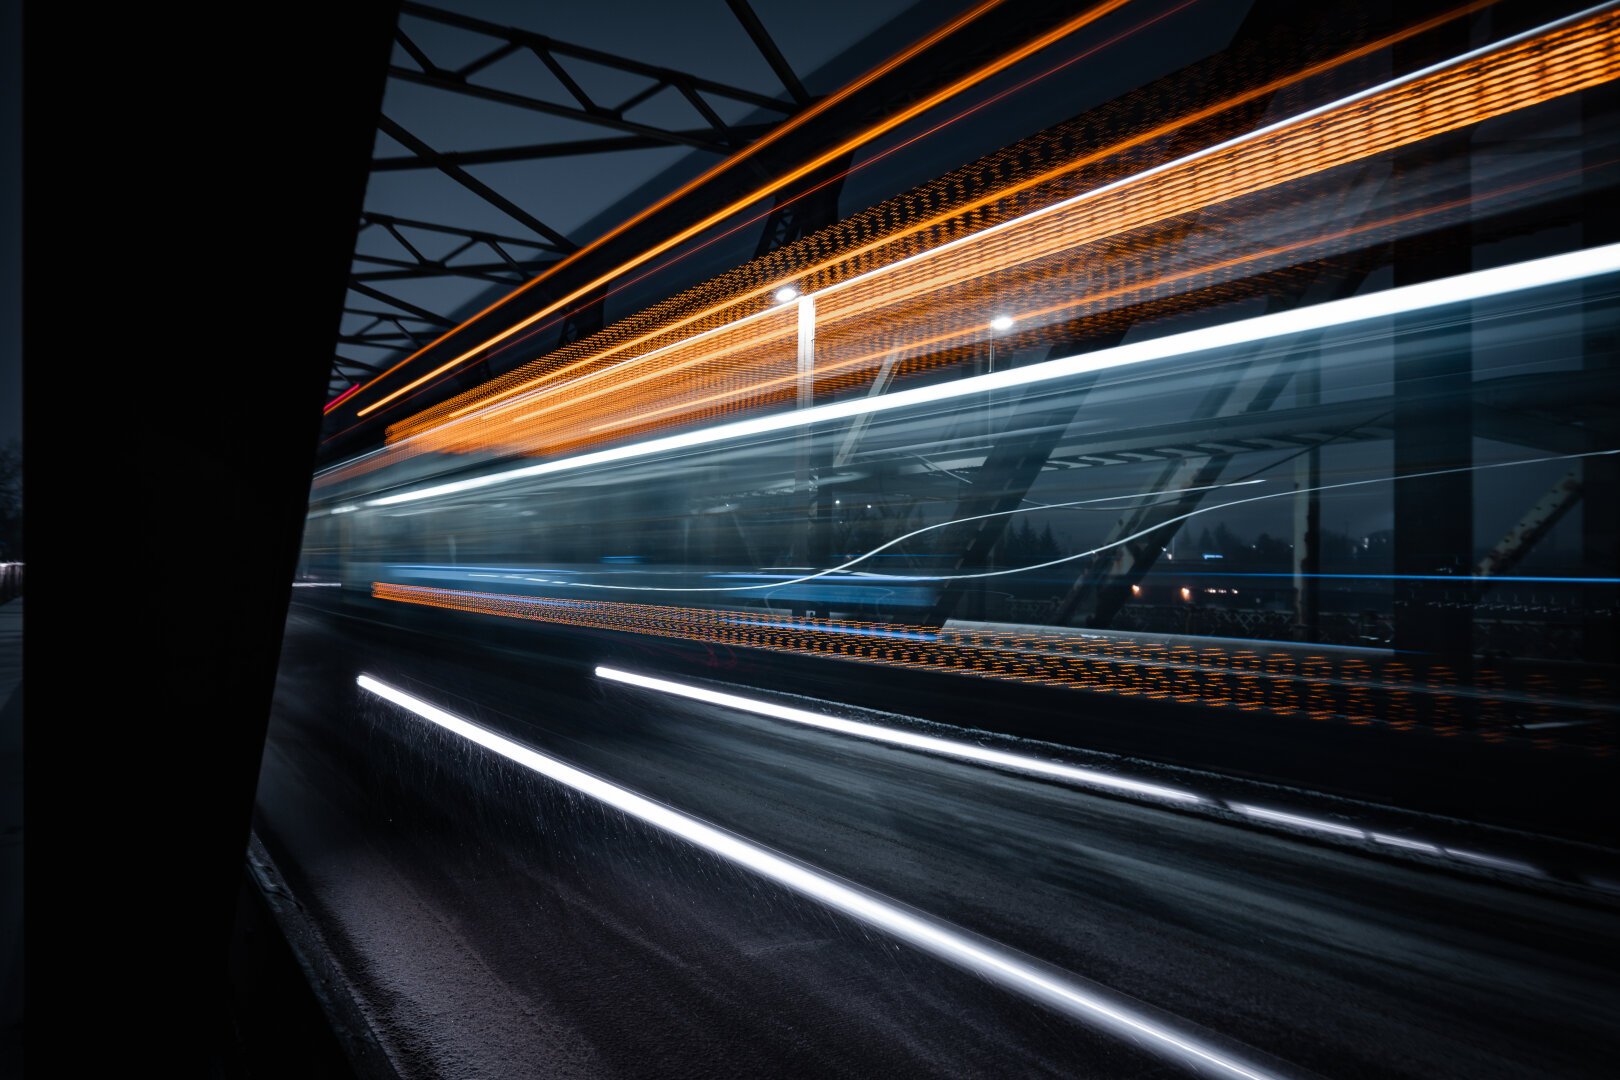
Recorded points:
(1433,417)
(1600,476)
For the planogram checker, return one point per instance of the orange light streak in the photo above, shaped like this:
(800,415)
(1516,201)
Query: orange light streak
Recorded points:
(1057,311)
(839,150)
(1563,61)
(762,293)
(1311,687)
(791,124)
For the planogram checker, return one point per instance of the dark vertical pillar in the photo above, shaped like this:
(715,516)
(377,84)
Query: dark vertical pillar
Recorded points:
(1433,418)
(1600,476)
(1308,514)
(182,167)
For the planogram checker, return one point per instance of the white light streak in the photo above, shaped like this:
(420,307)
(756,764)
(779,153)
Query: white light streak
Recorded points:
(1494,861)
(1478,285)
(911,740)
(1297,820)
(982,958)
(1403,842)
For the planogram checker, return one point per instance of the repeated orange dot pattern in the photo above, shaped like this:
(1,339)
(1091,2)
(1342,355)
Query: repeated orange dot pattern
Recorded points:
(1321,687)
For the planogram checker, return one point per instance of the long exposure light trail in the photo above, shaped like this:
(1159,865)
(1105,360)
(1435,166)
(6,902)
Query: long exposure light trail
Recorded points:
(1478,285)
(834,572)
(979,956)
(832,154)
(1067,305)
(1242,677)
(1512,75)
(775,134)
(1091,778)
(923,227)
(1501,77)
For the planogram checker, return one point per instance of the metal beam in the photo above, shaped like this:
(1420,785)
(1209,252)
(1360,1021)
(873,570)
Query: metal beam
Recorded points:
(372,217)
(571,148)
(420,312)
(723,139)
(541,42)
(348,361)
(375,316)
(1536,523)
(1104,586)
(767,47)
(602,118)
(461,176)
(999,488)
(501,273)
(804,208)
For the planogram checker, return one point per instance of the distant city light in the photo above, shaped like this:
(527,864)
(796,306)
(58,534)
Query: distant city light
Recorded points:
(1186,593)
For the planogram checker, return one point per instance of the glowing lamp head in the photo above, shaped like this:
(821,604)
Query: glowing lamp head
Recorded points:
(1001,323)
(786,293)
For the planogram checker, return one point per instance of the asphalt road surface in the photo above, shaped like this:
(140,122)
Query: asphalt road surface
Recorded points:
(492,923)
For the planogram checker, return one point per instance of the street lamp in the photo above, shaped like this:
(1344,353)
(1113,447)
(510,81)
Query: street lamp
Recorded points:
(998,325)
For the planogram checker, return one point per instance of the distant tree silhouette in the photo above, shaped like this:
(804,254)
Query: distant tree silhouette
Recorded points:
(1047,548)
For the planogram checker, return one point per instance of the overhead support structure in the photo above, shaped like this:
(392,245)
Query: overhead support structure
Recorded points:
(804,208)
(767,48)
(1033,429)
(1143,534)
(397,132)
(560,149)
(504,41)
(443,251)
(511,267)
(1536,523)
(404,305)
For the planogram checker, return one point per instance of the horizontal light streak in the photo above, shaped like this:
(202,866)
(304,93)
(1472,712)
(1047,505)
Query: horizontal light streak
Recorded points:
(896,737)
(1024,763)
(1298,821)
(1410,299)
(1459,579)
(1495,862)
(1501,77)
(1329,684)
(777,132)
(832,154)
(1403,842)
(978,956)
(923,227)
(965,332)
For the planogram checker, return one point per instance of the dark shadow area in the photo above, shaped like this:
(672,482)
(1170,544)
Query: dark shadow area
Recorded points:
(278,1026)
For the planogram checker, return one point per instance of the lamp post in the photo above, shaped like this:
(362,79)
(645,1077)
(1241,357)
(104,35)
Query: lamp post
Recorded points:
(998,325)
